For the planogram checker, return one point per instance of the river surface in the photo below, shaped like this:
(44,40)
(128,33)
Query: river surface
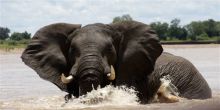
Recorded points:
(22,88)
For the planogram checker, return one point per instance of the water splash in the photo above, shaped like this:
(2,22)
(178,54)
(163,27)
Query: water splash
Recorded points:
(166,80)
(120,96)
(107,96)
(167,91)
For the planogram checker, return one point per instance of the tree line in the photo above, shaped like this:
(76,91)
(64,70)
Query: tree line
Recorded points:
(17,36)
(194,31)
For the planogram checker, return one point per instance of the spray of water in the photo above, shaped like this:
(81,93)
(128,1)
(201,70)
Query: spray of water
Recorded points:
(166,80)
(107,96)
(167,92)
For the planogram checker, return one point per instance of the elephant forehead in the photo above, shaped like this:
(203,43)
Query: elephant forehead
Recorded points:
(88,38)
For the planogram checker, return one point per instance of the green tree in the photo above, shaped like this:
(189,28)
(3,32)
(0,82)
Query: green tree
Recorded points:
(195,29)
(20,36)
(182,33)
(211,27)
(176,31)
(218,28)
(174,28)
(125,17)
(161,29)
(26,35)
(16,36)
(4,33)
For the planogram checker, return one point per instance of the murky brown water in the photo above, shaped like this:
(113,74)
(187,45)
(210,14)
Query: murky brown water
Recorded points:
(21,88)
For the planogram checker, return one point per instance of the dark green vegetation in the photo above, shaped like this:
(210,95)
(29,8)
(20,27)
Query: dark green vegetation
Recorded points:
(122,18)
(15,40)
(196,31)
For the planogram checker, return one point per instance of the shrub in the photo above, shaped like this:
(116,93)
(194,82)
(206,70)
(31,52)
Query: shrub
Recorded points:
(203,36)
(12,42)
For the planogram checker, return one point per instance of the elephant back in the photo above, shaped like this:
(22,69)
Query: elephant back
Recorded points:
(184,75)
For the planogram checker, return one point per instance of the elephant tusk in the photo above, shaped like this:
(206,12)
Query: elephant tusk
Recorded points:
(65,79)
(111,76)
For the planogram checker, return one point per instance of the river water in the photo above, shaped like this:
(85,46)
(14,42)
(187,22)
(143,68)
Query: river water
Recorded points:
(21,87)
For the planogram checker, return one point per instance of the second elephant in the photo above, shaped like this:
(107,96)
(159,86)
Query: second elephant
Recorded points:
(183,75)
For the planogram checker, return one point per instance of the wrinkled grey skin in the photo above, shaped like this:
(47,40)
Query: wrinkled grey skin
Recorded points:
(86,53)
(184,76)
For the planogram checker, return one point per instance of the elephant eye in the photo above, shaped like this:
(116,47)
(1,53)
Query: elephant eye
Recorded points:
(74,51)
(108,49)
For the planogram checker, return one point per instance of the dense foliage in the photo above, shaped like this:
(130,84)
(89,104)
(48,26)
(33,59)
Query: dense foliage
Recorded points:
(194,31)
(126,17)
(20,36)
(4,33)
(17,36)
(16,39)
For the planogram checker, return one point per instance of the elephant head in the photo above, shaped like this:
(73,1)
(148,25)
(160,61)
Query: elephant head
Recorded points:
(78,59)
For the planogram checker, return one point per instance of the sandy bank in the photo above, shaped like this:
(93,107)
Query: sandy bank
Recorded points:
(11,51)
(20,50)
(193,46)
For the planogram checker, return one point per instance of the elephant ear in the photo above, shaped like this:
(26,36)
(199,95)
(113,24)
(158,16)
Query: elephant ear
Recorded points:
(47,52)
(138,49)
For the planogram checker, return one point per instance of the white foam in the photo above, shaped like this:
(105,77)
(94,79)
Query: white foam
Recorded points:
(171,88)
(108,95)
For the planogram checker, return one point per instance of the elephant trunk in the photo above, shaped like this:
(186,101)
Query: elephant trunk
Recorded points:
(90,69)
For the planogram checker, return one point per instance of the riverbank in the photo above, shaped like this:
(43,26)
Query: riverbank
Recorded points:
(190,42)
(11,51)
(20,50)
(192,46)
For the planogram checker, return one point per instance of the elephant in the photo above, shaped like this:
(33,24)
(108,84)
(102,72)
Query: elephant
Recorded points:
(78,59)
(183,75)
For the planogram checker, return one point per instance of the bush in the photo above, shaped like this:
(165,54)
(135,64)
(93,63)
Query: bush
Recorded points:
(12,42)
(20,36)
(23,41)
(203,36)
(1,42)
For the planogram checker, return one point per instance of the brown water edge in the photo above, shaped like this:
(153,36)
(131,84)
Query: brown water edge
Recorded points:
(20,50)
(57,102)
(4,51)
(192,46)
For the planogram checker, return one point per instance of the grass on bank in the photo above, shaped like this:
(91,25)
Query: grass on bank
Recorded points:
(12,44)
(198,39)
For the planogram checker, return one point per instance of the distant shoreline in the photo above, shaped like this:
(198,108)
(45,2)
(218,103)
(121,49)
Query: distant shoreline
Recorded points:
(11,51)
(188,42)
(192,46)
(20,50)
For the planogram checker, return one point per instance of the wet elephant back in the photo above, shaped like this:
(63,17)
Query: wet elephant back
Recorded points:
(184,76)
